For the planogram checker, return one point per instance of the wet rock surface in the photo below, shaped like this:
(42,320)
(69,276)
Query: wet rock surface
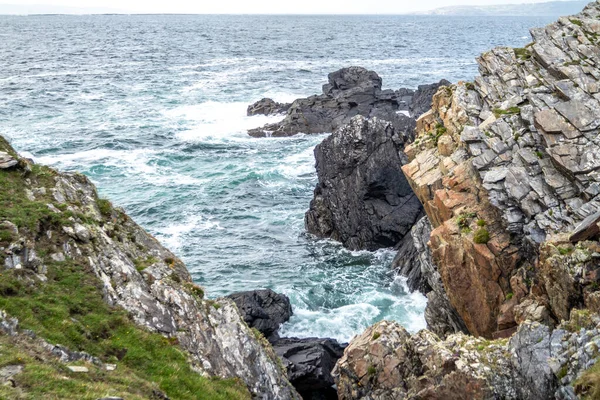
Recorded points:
(350,92)
(362,198)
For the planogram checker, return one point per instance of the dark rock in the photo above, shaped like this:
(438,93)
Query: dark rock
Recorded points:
(264,310)
(267,107)
(363,199)
(309,363)
(421,101)
(350,92)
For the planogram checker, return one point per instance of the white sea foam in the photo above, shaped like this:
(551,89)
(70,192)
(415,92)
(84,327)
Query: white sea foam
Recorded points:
(173,236)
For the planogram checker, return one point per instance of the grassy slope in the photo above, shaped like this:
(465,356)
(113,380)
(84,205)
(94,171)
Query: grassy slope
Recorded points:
(69,310)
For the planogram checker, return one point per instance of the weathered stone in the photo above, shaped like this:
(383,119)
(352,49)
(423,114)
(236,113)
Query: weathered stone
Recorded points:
(267,107)
(7,161)
(588,229)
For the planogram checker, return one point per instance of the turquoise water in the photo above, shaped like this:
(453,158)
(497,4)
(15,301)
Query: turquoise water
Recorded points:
(152,109)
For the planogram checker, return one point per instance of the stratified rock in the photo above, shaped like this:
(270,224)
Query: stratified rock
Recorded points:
(264,310)
(350,92)
(267,106)
(362,198)
(421,101)
(413,261)
(7,161)
(588,229)
(387,363)
(309,363)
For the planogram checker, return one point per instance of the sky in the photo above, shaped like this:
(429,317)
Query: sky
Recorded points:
(264,6)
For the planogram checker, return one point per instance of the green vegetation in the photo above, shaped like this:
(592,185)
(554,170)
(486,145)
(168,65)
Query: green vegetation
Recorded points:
(105,207)
(498,112)
(143,263)
(576,21)
(69,309)
(372,370)
(509,295)
(579,319)
(470,86)
(376,335)
(539,154)
(565,250)
(587,386)
(482,236)
(435,135)
(522,53)
(481,223)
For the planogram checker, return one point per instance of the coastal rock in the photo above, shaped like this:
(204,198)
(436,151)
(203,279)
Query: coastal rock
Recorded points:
(351,91)
(386,363)
(309,362)
(264,310)
(7,161)
(362,198)
(421,101)
(414,261)
(136,273)
(267,107)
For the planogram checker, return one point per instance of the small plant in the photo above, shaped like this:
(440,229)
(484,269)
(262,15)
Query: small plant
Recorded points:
(480,347)
(143,263)
(509,295)
(105,207)
(576,21)
(216,305)
(482,236)
(481,223)
(522,54)
(196,290)
(376,335)
(498,112)
(539,154)
(565,250)
(372,370)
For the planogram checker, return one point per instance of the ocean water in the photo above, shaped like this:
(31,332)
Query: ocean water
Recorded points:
(152,109)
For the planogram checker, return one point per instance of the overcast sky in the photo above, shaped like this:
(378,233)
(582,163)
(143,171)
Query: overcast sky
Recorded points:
(267,6)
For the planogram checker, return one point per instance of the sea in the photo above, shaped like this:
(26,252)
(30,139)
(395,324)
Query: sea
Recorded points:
(152,108)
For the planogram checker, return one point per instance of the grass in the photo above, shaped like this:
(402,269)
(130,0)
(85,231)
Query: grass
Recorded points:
(576,21)
(143,263)
(587,386)
(522,53)
(372,370)
(376,335)
(105,207)
(498,112)
(481,236)
(69,310)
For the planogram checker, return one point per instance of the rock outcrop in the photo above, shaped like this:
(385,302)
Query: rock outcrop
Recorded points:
(350,92)
(421,100)
(503,164)
(52,220)
(267,107)
(264,310)
(386,363)
(362,198)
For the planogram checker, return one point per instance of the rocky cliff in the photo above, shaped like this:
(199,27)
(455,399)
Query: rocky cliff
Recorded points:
(507,171)
(79,273)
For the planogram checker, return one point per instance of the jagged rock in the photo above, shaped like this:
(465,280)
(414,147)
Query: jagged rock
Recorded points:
(267,106)
(309,363)
(413,261)
(421,101)
(362,198)
(264,310)
(588,229)
(386,363)
(161,297)
(351,91)
(7,161)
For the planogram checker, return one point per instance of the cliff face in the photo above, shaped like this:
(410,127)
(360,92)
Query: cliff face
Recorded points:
(55,231)
(503,165)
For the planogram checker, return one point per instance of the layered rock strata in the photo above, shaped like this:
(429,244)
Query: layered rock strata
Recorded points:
(502,164)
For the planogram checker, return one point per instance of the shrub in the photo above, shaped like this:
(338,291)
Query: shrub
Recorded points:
(105,207)
(481,223)
(376,335)
(482,236)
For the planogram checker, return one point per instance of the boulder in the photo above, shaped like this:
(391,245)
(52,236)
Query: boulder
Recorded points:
(309,363)
(351,91)
(264,310)
(267,106)
(362,198)
(7,161)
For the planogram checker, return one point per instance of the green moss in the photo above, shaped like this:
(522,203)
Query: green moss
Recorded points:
(481,223)
(482,236)
(576,21)
(376,335)
(565,250)
(522,53)
(69,309)
(539,154)
(498,112)
(143,263)
(509,295)
(105,207)
(372,370)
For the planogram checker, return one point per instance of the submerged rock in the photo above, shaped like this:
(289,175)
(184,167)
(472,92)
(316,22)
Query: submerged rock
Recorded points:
(362,199)
(264,310)
(351,91)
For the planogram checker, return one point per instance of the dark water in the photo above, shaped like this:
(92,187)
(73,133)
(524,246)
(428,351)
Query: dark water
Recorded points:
(152,109)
